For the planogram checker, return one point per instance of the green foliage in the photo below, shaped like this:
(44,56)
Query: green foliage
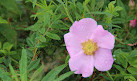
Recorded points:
(23,66)
(36,73)
(128,62)
(7,54)
(112,10)
(32,44)
(11,35)
(13,73)
(123,12)
(3,21)
(4,76)
(52,36)
(11,6)
(63,76)
(33,65)
(6,49)
(130,78)
(53,74)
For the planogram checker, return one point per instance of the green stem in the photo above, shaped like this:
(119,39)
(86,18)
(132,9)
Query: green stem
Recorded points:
(36,48)
(110,75)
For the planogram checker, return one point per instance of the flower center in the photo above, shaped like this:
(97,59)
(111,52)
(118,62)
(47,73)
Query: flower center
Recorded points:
(89,47)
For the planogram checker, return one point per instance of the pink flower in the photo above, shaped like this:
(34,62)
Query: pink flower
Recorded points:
(89,46)
(132,23)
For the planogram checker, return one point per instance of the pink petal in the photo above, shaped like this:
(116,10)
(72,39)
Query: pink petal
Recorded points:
(83,28)
(103,59)
(73,44)
(82,64)
(103,38)
(134,22)
(131,23)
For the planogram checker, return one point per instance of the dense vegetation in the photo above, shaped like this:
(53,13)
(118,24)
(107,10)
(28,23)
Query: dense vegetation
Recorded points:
(32,44)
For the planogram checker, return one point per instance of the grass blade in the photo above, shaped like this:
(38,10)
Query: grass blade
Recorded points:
(53,73)
(13,73)
(37,72)
(63,76)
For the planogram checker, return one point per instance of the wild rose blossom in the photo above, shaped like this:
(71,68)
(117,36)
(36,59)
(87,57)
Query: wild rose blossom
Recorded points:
(132,23)
(89,46)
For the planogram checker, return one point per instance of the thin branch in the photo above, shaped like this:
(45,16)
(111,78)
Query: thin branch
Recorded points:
(132,44)
(92,76)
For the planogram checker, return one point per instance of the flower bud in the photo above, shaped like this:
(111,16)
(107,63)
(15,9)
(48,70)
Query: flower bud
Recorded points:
(131,4)
(132,23)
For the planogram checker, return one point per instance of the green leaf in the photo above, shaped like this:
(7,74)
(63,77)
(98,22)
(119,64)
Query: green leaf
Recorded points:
(133,32)
(106,77)
(9,33)
(37,72)
(116,26)
(122,71)
(129,78)
(63,76)
(46,18)
(4,76)
(42,30)
(67,59)
(132,61)
(133,53)
(118,8)
(13,73)
(41,38)
(93,4)
(99,4)
(123,11)
(121,58)
(132,70)
(11,6)
(23,65)
(60,1)
(34,64)
(80,7)
(31,40)
(34,3)
(52,36)
(111,6)
(1,59)
(12,53)
(53,73)
(3,51)
(34,27)
(7,46)
(117,21)
(7,61)
(87,1)
(2,20)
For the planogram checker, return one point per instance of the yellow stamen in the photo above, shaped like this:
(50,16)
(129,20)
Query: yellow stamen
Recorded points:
(89,47)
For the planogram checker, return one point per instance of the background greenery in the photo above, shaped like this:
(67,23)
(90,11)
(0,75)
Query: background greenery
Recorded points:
(32,45)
